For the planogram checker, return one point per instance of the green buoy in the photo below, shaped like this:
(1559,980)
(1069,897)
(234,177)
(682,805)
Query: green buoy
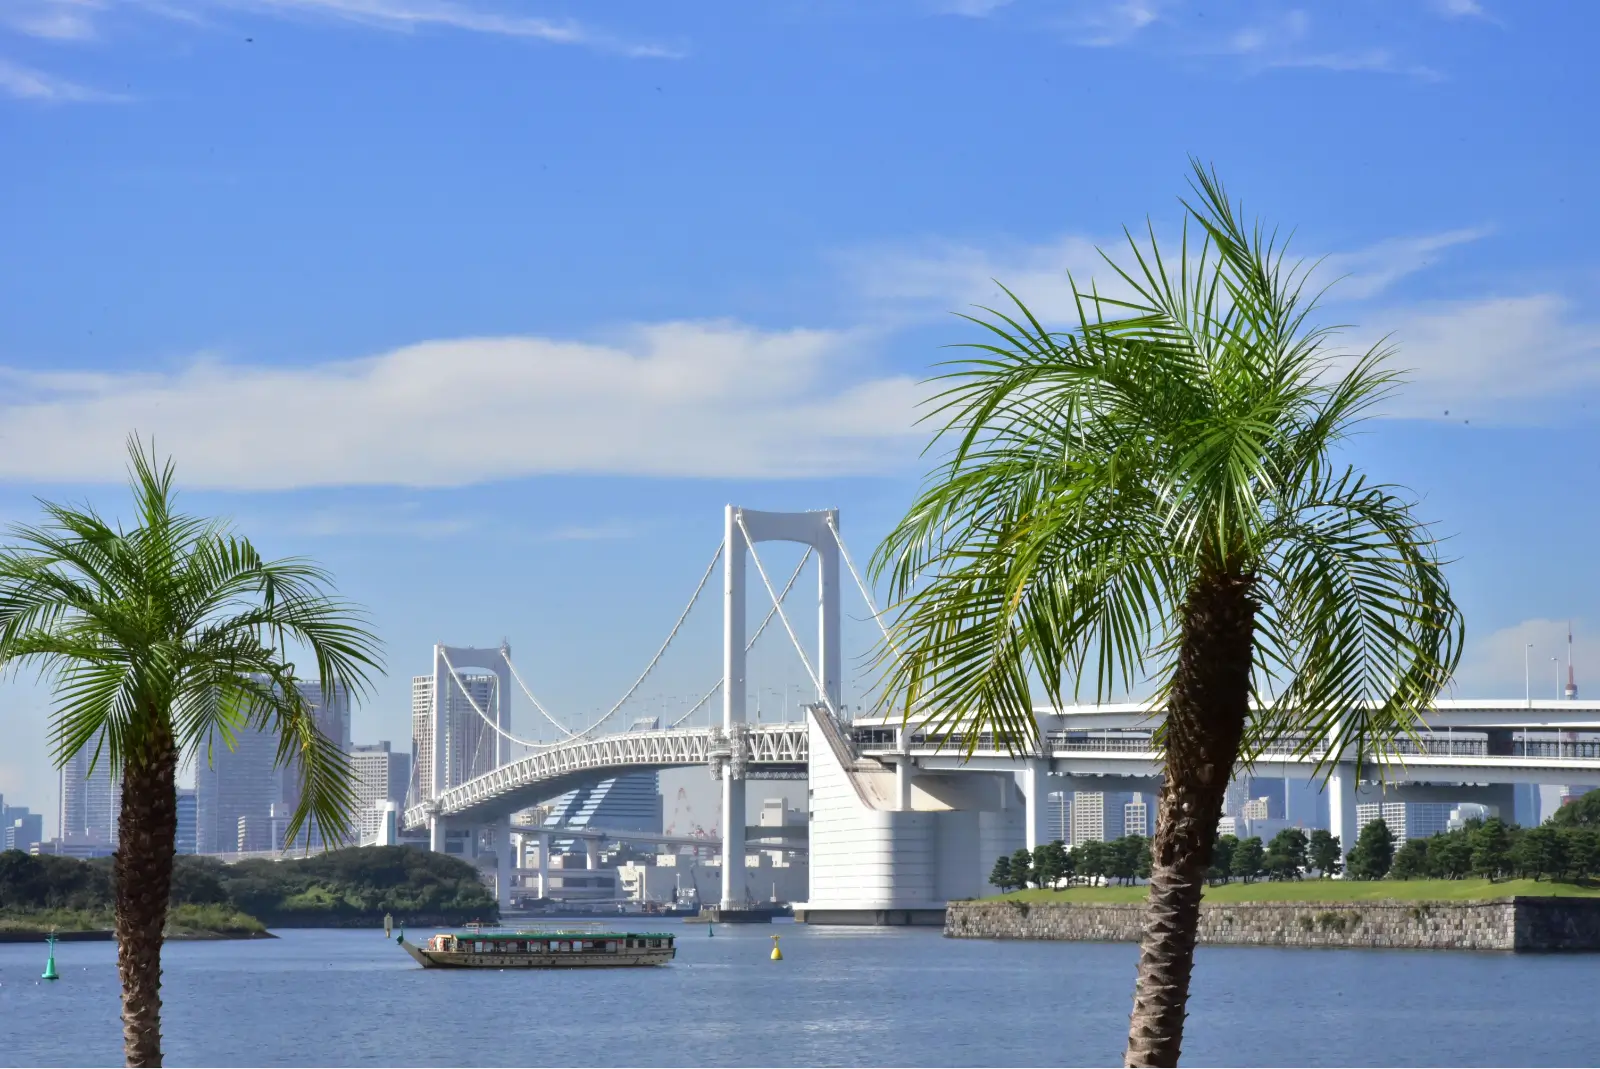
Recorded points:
(710,930)
(50,962)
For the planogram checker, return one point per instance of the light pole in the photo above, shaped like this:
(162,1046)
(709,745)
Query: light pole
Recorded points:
(1527,680)
(1557,662)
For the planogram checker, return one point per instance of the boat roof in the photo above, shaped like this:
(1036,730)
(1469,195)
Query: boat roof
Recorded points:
(560,933)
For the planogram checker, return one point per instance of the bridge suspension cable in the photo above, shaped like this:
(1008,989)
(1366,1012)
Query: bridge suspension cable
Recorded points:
(749,645)
(676,627)
(536,703)
(777,606)
(475,708)
(862,586)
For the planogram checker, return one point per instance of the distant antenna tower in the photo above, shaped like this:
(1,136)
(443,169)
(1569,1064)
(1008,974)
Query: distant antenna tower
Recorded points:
(1572,682)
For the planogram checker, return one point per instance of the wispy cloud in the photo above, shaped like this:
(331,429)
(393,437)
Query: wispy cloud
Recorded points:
(1492,665)
(25,83)
(80,19)
(1459,9)
(1285,41)
(935,278)
(615,530)
(1104,25)
(673,399)
(56,20)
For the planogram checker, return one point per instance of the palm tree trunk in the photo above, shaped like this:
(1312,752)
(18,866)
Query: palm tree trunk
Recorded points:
(146,830)
(1206,712)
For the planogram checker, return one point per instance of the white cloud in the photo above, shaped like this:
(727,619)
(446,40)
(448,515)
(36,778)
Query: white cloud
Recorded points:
(937,278)
(673,399)
(77,19)
(1495,360)
(57,20)
(1457,9)
(1116,22)
(420,14)
(1365,273)
(26,83)
(972,9)
(1493,667)
(1283,41)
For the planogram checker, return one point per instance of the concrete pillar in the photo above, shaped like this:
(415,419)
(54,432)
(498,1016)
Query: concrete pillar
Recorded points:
(830,667)
(1342,787)
(436,834)
(506,874)
(1035,785)
(902,783)
(438,752)
(591,854)
(733,706)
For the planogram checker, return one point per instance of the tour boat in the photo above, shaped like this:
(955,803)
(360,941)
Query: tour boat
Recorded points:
(553,948)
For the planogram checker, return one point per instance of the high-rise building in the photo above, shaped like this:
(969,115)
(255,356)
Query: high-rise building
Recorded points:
(1258,809)
(381,775)
(187,821)
(232,785)
(91,800)
(1097,816)
(1407,820)
(22,829)
(470,740)
(332,718)
(1058,816)
(1136,817)
(1271,790)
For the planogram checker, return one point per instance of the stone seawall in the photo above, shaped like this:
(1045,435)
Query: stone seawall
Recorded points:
(1520,923)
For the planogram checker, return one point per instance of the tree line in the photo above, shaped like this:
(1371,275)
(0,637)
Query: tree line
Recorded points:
(1566,847)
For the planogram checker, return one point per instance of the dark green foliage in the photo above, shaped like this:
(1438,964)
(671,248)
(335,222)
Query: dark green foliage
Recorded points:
(1411,861)
(1050,863)
(1000,875)
(1450,855)
(1324,852)
(344,887)
(1222,858)
(1093,859)
(1541,852)
(1248,858)
(1491,848)
(1286,854)
(1373,853)
(1583,812)
(1022,868)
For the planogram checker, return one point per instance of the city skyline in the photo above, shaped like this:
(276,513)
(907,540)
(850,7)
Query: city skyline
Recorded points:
(520,411)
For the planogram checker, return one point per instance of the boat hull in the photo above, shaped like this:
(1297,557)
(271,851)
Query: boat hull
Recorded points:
(635,958)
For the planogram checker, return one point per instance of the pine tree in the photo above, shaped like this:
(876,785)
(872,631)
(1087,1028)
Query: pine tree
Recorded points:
(1373,853)
(1325,850)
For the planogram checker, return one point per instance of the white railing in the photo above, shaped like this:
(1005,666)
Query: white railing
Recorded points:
(763,745)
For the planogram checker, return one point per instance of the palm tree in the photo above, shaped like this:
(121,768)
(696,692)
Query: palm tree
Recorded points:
(161,640)
(1153,496)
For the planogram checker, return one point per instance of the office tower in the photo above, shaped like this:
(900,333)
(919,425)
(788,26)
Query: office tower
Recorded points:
(235,784)
(1270,788)
(187,819)
(1234,796)
(625,803)
(381,775)
(1058,816)
(91,801)
(1136,817)
(332,718)
(1406,820)
(22,829)
(469,739)
(1097,816)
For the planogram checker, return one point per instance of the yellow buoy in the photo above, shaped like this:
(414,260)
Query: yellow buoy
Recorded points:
(777,955)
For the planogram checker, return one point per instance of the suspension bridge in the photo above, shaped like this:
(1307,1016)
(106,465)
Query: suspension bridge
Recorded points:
(899,823)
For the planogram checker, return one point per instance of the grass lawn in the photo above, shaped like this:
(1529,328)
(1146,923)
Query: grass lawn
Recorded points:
(1325,891)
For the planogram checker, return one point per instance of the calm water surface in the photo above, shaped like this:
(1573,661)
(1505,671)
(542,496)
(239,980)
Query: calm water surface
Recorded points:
(841,996)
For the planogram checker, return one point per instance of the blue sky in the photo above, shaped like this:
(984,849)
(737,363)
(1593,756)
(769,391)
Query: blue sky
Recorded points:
(491,306)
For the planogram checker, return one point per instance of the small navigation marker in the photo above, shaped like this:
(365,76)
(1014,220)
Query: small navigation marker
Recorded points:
(777,955)
(388,925)
(711,930)
(50,962)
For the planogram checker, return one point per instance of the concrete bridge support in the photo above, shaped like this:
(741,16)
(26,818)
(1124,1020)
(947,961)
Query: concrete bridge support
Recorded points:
(741,528)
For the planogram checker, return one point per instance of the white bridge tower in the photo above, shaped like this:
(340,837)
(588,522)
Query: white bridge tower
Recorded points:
(742,527)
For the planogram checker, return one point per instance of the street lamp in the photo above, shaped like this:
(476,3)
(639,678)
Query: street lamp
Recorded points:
(1557,662)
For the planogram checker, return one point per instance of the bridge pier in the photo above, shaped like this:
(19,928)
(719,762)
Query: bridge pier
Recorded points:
(436,834)
(506,848)
(1342,791)
(1035,785)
